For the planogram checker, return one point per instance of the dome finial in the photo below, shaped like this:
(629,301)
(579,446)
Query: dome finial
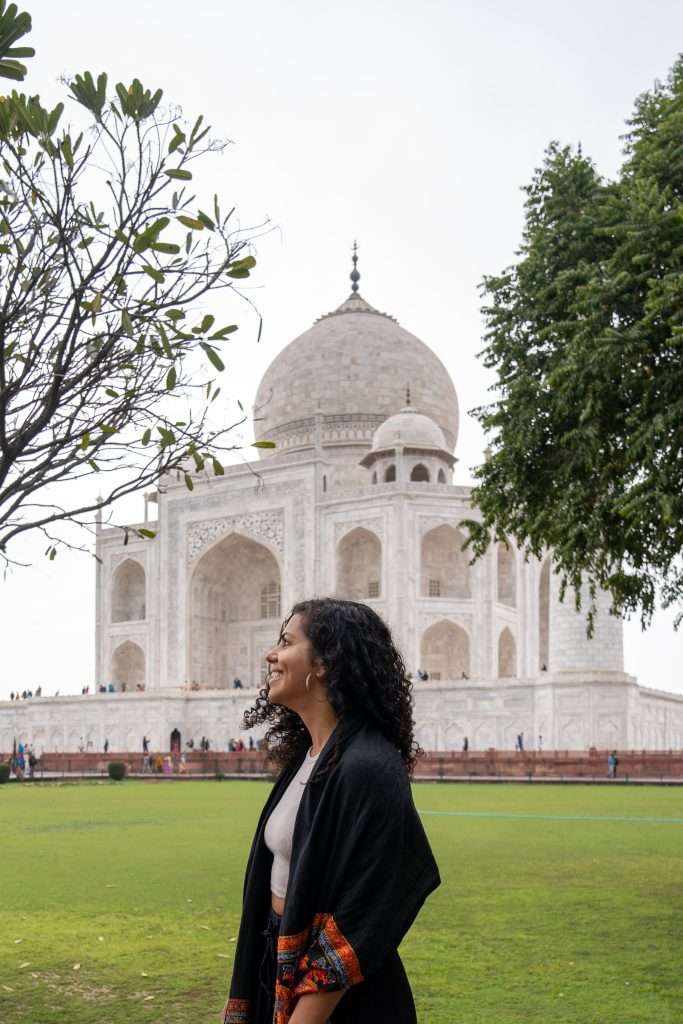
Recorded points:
(354,275)
(408,394)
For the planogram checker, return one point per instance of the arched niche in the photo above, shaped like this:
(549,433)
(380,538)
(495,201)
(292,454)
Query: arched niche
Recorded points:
(128,592)
(441,478)
(235,590)
(445,651)
(359,565)
(390,474)
(544,615)
(507,655)
(128,665)
(506,575)
(419,474)
(445,569)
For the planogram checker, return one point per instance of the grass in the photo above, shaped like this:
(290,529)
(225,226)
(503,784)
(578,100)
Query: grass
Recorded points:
(555,906)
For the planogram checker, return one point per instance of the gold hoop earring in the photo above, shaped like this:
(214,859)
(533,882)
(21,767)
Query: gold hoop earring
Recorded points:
(308,690)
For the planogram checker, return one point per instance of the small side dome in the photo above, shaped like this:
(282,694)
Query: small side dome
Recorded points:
(409,429)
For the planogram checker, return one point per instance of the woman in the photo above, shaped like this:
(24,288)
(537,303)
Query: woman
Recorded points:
(340,864)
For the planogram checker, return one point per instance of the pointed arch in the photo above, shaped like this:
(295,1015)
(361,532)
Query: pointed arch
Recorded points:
(235,590)
(506,575)
(390,474)
(445,651)
(359,565)
(420,474)
(445,569)
(441,478)
(507,655)
(128,599)
(128,665)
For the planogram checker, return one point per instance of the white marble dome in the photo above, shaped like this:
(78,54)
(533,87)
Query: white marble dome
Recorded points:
(355,360)
(408,429)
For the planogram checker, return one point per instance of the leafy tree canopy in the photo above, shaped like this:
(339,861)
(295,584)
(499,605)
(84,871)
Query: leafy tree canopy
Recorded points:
(585,333)
(108,352)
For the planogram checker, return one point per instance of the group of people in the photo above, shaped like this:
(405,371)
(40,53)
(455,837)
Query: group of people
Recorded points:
(26,694)
(23,761)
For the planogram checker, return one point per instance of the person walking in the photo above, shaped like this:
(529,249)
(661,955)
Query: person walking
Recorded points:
(106,746)
(340,864)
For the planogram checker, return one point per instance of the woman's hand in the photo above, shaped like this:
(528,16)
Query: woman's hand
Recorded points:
(224,1011)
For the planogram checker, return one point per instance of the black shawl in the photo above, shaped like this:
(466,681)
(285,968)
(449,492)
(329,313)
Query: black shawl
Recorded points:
(361,868)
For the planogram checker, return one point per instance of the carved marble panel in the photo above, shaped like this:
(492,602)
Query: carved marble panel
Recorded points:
(267,525)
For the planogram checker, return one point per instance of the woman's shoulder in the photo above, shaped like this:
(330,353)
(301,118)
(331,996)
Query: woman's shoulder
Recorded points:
(370,757)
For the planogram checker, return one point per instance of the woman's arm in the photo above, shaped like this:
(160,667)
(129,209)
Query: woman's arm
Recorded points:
(315,1007)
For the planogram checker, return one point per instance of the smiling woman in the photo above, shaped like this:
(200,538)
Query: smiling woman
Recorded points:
(340,864)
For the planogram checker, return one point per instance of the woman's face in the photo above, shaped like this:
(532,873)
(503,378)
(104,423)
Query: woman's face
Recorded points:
(289,663)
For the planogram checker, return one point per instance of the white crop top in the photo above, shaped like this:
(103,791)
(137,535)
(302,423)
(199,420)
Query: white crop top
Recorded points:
(280,826)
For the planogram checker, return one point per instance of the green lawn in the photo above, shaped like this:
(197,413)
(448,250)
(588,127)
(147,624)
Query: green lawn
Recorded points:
(559,905)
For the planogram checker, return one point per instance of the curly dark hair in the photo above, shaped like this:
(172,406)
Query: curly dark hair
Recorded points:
(366,677)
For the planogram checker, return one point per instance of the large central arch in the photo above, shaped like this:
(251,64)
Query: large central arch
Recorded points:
(235,591)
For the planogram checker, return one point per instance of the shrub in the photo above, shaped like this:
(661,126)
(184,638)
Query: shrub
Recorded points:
(117,770)
(4,772)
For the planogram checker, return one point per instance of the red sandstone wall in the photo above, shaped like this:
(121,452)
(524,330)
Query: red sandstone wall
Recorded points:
(504,764)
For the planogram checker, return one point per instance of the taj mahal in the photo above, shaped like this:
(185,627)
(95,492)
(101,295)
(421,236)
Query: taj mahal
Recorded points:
(359,498)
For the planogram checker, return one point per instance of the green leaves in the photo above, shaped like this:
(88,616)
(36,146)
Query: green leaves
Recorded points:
(178,173)
(191,222)
(154,273)
(137,102)
(150,235)
(214,358)
(264,444)
(177,140)
(90,95)
(171,378)
(13,25)
(224,332)
(241,268)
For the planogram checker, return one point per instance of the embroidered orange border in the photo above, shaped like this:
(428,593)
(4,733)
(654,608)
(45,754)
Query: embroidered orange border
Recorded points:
(237,1011)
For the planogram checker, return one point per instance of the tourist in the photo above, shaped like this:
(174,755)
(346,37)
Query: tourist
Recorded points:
(465,745)
(182,767)
(540,743)
(237,683)
(359,866)
(168,765)
(251,742)
(145,745)
(106,746)
(612,762)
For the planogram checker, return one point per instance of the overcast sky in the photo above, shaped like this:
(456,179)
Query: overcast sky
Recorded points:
(411,126)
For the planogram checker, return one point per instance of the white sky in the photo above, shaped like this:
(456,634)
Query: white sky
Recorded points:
(408,125)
